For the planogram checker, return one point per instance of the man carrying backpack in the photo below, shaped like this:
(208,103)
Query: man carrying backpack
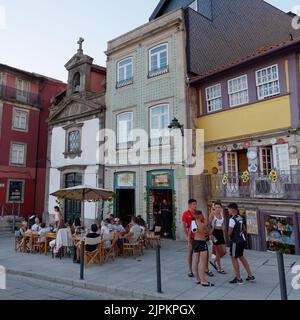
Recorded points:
(237,236)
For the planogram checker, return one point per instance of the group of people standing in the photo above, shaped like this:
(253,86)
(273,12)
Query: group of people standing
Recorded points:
(199,234)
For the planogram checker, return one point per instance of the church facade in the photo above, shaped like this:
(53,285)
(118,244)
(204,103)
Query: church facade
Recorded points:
(76,116)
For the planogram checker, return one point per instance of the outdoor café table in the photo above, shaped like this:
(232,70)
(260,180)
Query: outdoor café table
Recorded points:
(30,237)
(48,237)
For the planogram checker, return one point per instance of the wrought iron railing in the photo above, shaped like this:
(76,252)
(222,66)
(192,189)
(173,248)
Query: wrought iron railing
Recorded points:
(158,72)
(14,94)
(275,185)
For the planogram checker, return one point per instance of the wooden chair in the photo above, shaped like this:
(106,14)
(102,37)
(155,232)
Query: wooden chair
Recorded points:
(134,247)
(110,252)
(96,255)
(22,244)
(19,244)
(38,245)
(153,238)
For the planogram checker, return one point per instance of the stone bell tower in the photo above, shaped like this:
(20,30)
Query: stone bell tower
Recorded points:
(79,68)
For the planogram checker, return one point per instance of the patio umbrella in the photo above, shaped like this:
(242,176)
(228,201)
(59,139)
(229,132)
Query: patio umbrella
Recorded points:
(83,193)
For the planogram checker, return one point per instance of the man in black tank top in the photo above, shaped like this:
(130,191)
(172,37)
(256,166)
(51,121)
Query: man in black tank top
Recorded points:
(237,236)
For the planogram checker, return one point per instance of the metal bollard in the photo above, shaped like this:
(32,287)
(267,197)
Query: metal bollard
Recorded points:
(158,269)
(282,278)
(82,261)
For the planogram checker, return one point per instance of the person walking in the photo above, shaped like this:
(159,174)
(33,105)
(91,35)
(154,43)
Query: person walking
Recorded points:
(199,233)
(166,217)
(217,222)
(237,236)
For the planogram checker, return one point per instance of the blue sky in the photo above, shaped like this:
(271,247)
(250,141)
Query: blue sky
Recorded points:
(41,35)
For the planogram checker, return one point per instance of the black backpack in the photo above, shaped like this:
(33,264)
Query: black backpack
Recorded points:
(239,230)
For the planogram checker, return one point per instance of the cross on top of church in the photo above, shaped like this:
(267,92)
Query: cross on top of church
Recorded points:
(80,41)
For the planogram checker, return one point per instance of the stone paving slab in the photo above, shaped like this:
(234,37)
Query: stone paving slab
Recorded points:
(136,277)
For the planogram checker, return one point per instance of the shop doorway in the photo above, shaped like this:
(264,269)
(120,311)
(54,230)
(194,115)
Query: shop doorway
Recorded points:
(125,205)
(162,210)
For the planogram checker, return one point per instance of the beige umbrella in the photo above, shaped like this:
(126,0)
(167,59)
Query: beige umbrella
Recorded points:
(83,193)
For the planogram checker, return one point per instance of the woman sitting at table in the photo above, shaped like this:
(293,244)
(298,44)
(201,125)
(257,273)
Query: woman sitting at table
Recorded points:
(77,227)
(89,248)
(22,231)
(43,231)
(134,232)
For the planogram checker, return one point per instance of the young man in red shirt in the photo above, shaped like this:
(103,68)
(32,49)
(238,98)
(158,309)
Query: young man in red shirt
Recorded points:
(187,218)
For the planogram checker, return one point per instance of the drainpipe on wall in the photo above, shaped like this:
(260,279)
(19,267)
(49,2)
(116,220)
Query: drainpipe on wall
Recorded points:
(187,98)
(37,155)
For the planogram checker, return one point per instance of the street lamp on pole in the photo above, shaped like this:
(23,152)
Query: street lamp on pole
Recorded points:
(175,124)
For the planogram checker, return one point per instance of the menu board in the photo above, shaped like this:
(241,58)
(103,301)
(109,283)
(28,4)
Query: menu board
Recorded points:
(252,223)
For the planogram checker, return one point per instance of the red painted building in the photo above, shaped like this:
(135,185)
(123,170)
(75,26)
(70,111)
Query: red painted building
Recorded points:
(25,99)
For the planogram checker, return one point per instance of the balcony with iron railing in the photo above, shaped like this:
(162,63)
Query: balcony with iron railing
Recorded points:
(276,185)
(15,95)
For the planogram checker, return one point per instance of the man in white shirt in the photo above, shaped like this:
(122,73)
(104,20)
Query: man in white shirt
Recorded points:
(36,227)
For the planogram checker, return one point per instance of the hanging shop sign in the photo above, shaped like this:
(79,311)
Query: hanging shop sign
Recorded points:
(161,180)
(126,179)
(252,223)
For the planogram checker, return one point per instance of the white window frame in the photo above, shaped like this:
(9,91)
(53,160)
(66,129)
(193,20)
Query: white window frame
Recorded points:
(125,69)
(129,137)
(19,128)
(209,100)
(23,89)
(159,56)
(18,164)
(277,165)
(79,140)
(267,82)
(194,5)
(267,149)
(231,92)
(164,131)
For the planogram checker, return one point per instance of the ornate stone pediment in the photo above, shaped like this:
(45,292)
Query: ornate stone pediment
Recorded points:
(76,107)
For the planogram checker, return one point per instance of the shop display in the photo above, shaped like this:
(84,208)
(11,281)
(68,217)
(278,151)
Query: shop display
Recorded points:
(280,234)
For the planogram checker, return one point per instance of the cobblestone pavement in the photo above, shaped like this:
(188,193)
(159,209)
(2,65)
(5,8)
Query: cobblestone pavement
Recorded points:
(136,277)
(23,288)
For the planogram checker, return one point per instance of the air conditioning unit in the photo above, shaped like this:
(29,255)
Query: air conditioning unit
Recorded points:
(264,188)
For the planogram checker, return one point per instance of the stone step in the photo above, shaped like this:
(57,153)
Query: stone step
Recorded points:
(5,229)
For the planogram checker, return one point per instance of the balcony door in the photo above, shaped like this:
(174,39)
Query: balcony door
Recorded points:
(22,92)
(232,171)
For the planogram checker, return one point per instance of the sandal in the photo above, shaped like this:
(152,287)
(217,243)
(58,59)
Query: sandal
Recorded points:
(191,275)
(214,265)
(208,284)
(222,271)
(209,273)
